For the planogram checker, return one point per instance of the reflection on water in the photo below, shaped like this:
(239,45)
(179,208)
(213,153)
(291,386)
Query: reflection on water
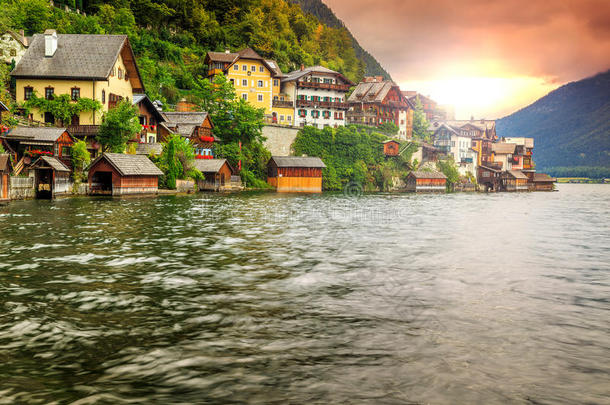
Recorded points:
(266,298)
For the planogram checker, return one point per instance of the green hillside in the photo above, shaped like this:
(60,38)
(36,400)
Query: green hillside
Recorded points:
(326,15)
(171,37)
(570,125)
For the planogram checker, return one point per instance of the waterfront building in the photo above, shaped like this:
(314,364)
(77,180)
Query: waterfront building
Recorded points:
(255,79)
(319,97)
(457,143)
(514,180)
(217,174)
(122,174)
(295,174)
(429,106)
(5,171)
(426,181)
(51,177)
(376,101)
(542,182)
(98,67)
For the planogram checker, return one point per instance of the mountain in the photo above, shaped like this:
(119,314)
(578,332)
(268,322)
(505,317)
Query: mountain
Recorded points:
(326,15)
(570,125)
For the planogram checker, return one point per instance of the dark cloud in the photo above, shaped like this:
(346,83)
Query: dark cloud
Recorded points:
(558,40)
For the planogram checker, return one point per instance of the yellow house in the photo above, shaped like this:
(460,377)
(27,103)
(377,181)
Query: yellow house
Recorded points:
(255,79)
(99,67)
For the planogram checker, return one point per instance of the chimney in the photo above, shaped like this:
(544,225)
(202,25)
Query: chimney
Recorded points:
(227,50)
(50,43)
(302,67)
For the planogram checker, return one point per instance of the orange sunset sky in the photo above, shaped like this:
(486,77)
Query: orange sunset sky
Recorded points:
(488,58)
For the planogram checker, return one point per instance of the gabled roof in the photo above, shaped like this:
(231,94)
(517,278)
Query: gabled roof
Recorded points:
(184,123)
(371,91)
(23,40)
(78,56)
(480,124)
(298,161)
(143,98)
(247,53)
(148,148)
(427,175)
(209,165)
(54,163)
(543,177)
(390,141)
(447,127)
(297,74)
(517,174)
(39,134)
(130,165)
(503,148)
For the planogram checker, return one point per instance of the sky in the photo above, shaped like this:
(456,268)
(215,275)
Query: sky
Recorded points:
(487,58)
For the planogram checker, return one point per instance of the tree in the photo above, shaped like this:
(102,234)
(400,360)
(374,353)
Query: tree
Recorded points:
(449,169)
(120,124)
(420,123)
(234,119)
(80,155)
(177,159)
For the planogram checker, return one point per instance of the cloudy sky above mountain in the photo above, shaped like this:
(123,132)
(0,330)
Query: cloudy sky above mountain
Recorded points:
(488,57)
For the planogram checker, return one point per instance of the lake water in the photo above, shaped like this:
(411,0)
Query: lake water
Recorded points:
(275,299)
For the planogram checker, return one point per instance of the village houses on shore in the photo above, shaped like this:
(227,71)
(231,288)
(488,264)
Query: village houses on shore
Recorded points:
(103,68)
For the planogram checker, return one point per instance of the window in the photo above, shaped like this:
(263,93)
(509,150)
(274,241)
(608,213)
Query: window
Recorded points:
(27,93)
(236,67)
(13,52)
(302,113)
(260,97)
(281,118)
(260,83)
(253,68)
(151,139)
(142,119)
(315,114)
(48,93)
(244,96)
(244,67)
(453,143)
(289,118)
(75,93)
(275,82)
(66,151)
(244,82)
(103,96)
(261,69)
(120,73)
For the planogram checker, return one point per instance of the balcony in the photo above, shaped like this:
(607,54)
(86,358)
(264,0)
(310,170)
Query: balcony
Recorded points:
(283,104)
(322,104)
(83,130)
(323,86)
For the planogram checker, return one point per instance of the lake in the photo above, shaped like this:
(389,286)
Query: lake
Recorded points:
(272,299)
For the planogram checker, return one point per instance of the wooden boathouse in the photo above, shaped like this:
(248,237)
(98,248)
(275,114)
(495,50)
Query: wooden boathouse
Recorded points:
(420,181)
(5,170)
(542,182)
(121,174)
(514,180)
(217,174)
(294,174)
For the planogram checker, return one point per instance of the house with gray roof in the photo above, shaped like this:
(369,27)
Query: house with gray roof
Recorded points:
(376,101)
(97,67)
(295,174)
(123,174)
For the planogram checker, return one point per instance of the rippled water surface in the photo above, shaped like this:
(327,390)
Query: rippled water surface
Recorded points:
(266,298)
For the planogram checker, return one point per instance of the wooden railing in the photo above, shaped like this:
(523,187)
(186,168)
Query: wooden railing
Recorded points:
(324,86)
(83,130)
(283,104)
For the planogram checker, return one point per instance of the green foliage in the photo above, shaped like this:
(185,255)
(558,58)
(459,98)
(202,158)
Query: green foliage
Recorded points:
(80,155)
(388,128)
(2,148)
(420,123)
(171,37)
(120,124)
(62,107)
(351,155)
(449,169)
(176,161)
(592,172)
(234,119)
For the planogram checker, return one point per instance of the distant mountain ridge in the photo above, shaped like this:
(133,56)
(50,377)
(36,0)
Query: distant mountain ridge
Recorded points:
(328,17)
(570,125)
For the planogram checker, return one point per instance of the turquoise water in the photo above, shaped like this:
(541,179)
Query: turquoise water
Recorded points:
(267,298)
